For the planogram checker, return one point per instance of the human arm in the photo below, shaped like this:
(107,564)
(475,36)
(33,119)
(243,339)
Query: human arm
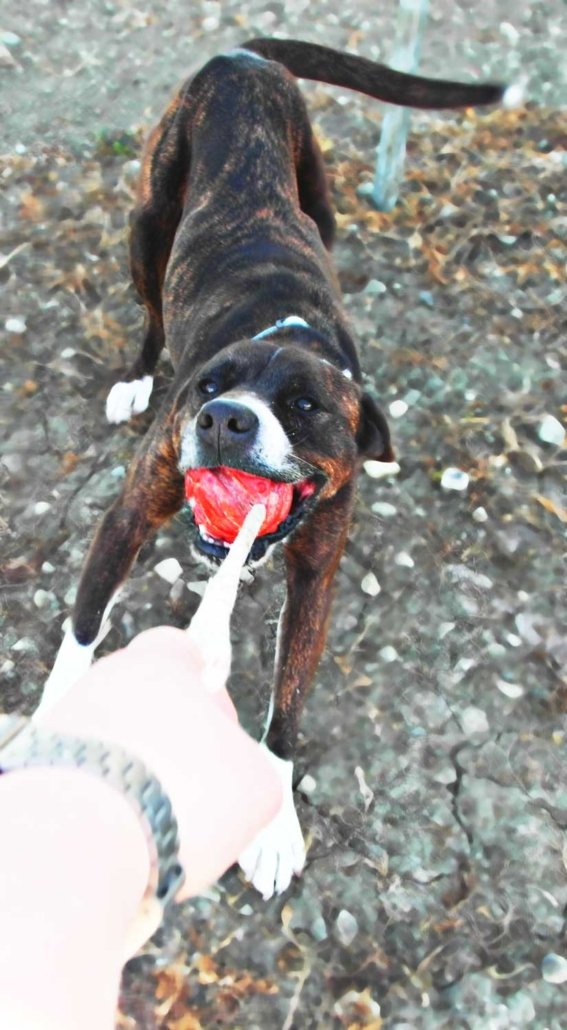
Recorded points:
(67,912)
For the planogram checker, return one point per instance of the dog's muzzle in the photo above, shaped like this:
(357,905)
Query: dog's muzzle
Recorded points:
(227,428)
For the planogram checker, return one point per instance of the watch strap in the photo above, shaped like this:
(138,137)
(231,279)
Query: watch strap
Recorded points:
(24,745)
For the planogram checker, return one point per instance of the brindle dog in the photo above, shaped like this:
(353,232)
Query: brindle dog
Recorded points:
(229,254)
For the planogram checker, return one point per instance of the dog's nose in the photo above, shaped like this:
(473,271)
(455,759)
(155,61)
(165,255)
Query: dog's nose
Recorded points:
(226,422)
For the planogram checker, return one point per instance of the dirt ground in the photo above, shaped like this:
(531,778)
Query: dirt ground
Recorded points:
(432,766)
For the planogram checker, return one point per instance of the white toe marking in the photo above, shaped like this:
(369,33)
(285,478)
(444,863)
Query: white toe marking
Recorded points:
(514,95)
(127,399)
(278,851)
(73,660)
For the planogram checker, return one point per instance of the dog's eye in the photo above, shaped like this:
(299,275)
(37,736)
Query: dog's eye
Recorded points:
(304,404)
(208,387)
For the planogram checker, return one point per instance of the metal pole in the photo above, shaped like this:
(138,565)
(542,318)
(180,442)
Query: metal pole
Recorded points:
(391,151)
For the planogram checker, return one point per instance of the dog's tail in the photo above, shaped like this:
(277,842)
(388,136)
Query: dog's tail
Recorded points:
(321,63)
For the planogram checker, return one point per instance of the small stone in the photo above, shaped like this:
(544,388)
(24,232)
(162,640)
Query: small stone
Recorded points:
(308,784)
(454,479)
(366,792)
(445,628)
(510,33)
(404,560)
(422,875)
(318,929)
(41,507)
(374,287)
(42,598)
(495,650)
(388,654)
(512,690)
(347,927)
(15,325)
(554,968)
(551,431)
(462,574)
(169,569)
(526,628)
(8,666)
(68,352)
(370,585)
(131,170)
(352,1004)
(381,469)
(513,640)
(9,39)
(427,298)
(412,397)
(6,59)
(197,586)
(23,645)
(480,514)
(397,408)
(47,567)
(464,665)
(474,720)
(384,509)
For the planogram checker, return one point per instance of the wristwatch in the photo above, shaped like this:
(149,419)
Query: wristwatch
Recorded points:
(23,744)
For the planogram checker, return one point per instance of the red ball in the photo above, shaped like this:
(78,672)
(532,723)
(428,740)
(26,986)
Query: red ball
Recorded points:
(221,498)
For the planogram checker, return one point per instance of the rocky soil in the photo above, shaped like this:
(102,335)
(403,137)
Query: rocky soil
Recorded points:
(432,764)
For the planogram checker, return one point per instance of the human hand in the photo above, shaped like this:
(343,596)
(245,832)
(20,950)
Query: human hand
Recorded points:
(163,698)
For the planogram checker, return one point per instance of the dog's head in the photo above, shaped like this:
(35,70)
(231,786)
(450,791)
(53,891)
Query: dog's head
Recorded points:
(276,412)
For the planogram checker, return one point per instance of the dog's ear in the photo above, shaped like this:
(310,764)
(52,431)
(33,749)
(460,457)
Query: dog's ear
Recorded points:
(373,437)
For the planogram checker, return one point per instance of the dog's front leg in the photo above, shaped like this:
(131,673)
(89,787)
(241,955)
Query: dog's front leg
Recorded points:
(312,557)
(153,492)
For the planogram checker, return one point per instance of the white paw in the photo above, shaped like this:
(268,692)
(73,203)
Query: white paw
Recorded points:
(127,399)
(73,660)
(278,851)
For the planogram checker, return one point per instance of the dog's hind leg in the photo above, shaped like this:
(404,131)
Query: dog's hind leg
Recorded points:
(152,493)
(161,188)
(313,187)
(312,557)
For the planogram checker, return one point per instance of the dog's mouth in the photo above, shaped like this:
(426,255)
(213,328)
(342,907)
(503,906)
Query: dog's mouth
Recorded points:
(220,498)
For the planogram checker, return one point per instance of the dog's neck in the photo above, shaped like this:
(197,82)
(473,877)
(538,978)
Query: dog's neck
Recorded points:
(282,323)
(295,322)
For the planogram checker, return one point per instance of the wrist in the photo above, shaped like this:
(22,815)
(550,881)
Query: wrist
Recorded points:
(75,865)
(149,700)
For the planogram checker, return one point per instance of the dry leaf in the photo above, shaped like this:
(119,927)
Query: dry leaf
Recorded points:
(551,507)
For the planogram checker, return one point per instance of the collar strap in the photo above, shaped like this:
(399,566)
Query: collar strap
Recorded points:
(283,323)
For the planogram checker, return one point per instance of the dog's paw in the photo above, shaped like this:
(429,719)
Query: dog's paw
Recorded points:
(127,399)
(72,661)
(278,851)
